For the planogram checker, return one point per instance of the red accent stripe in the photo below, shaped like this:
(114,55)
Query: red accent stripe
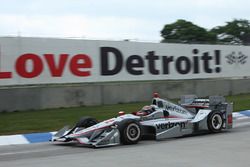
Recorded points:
(230,119)
(191,106)
(172,116)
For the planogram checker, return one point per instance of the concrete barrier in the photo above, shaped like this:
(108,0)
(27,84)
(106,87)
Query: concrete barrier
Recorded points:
(55,96)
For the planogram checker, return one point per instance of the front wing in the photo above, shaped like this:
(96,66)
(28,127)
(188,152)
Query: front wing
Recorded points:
(97,138)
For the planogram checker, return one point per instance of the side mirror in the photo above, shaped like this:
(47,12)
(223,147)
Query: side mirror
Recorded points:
(165,113)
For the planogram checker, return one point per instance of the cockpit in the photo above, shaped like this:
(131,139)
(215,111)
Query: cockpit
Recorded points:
(146,110)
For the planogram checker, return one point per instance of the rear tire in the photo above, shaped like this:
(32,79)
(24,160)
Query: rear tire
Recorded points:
(215,121)
(130,132)
(86,122)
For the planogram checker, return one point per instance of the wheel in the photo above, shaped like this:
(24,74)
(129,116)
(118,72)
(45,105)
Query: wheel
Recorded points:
(215,121)
(130,131)
(86,122)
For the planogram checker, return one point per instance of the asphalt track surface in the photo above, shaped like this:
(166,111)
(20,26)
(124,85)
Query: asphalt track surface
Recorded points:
(227,149)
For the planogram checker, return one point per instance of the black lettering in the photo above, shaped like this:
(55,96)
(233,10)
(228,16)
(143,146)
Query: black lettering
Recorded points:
(105,65)
(187,65)
(133,62)
(165,63)
(158,126)
(170,125)
(112,62)
(151,57)
(183,125)
(195,51)
(206,58)
(217,61)
(196,61)
(196,65)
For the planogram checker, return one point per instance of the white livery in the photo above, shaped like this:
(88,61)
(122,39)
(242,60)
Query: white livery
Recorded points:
(160,120)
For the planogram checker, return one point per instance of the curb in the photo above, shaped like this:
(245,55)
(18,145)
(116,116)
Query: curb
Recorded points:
(26,138)
(45,137)
(241,115)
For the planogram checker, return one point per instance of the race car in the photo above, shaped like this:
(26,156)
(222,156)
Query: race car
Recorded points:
(161,120)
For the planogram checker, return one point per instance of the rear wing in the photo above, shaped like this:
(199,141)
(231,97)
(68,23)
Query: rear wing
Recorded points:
(192,101)
(213,103)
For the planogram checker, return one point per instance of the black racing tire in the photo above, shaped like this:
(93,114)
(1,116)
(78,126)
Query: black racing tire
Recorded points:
(86,122)
(130,131)
(215,121)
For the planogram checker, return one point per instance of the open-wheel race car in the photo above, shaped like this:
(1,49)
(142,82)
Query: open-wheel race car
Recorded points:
(160,120)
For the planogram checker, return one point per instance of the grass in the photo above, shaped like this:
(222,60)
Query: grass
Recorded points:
(54,119)
(241,102)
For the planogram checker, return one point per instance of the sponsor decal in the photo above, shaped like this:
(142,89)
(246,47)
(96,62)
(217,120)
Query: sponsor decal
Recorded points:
(170,125)
(175,108)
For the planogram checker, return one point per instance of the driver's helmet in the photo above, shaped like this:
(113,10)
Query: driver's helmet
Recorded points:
(148,109)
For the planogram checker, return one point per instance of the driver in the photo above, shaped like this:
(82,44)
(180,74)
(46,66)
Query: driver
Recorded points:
(146,110)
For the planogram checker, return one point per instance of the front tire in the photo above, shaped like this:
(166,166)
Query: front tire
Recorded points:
(86,122)
(130,132)
(215,122)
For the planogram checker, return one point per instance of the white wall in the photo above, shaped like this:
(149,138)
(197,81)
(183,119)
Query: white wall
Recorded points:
(25,61)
